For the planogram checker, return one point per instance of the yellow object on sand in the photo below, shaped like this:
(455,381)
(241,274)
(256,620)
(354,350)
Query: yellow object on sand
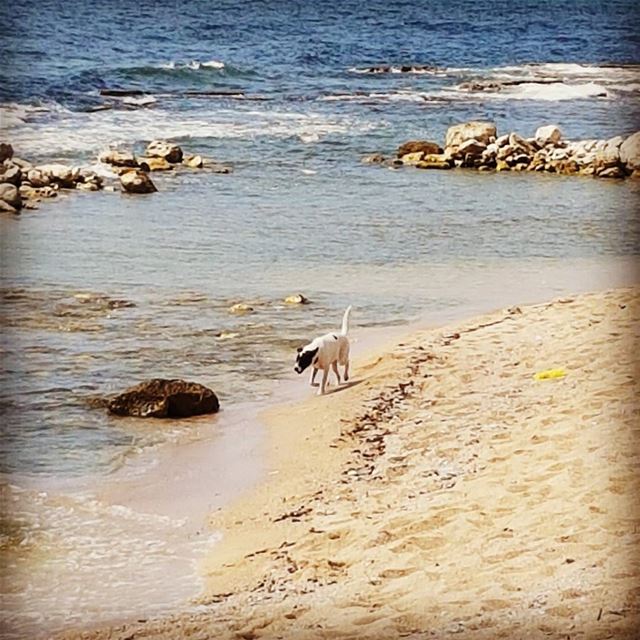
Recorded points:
(549,374)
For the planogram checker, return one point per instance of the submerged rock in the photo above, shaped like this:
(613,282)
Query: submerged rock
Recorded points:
(160,398)
(154,164)
(137,182)
(373,158)
(297,298)
(241,308)
(193,162)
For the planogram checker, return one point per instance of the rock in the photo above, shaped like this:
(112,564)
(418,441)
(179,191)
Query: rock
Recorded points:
(480,131)
(154,164)
(549,134)
(25,165)
(13,175)
(5,207)
(412,159)
(630,152)
(6,151)
(159,398)
(193,162)
(119,158)
(374,158)
(502,140)
(521,159)
(471,147)
(435,161)
(504,152)
(163,149)
(297,298)
(137,182)
(416,146)
(38,179)
(9,193)
(611,172)
(502,165)
(62,174)
(520,145)
(240,308)
(217,167)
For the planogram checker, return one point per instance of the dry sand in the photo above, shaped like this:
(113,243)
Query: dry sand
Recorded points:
(447,493)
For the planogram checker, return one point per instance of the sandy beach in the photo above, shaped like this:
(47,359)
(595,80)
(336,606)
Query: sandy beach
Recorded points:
(447,491)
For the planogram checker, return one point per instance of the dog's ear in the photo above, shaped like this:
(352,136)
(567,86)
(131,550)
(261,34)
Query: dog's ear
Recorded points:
(299,349)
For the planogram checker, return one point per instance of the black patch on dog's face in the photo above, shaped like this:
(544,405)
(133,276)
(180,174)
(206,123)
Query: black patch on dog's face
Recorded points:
(304,359)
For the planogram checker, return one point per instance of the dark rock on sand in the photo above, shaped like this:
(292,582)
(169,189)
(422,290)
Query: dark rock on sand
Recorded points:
(137,182)
(160,398)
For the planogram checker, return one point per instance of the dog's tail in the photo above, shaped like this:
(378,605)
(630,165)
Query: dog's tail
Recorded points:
(345,322)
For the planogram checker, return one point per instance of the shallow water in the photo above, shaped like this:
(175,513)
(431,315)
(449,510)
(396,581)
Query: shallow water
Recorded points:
(101,290)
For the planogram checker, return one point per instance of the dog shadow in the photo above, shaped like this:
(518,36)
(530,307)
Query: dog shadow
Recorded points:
(344,386)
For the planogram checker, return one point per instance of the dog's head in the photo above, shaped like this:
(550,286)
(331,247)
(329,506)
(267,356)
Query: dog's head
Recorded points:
(305,357)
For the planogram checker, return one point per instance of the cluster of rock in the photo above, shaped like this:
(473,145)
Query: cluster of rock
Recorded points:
(477,145)
(23,184)
(242,308)
(159,155)
(161,398)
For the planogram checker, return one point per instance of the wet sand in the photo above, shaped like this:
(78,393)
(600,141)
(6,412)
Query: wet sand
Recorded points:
(445,492)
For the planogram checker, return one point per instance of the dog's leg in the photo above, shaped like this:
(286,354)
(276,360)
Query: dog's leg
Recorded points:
(323,385)
(313,382)
(345,375)
(334,366)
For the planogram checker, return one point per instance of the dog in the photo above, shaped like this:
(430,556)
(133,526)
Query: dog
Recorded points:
(326,352)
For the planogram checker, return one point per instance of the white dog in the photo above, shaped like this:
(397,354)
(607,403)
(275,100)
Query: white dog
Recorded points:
(326,352)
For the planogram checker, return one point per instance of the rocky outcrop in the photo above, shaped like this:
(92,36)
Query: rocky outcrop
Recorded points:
(418,146)
(160,398)
(137,182)
(6,151)
(119,158)
(476,145)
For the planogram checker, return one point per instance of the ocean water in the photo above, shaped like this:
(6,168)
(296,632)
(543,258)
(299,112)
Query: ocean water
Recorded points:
(101,290)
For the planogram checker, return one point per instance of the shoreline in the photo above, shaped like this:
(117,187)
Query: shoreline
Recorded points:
(285,532)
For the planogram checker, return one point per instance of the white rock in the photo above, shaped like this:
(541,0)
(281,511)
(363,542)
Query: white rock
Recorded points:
(630,152)
(459,133)
(548,134)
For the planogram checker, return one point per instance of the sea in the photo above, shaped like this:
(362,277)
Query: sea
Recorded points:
(102,290)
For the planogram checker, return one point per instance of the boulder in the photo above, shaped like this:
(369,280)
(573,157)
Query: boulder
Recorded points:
(62,174)
(6,151)
(160,398)
(12,174)
(471,147)
(415,146)
(163,149)
(549,134)
(5,207)
(193,162)
(119,158)
(137,182)
(297,298)
(480,131)
(9,193)
(25,165)
(154,164)
(412,159)
(610,172)
(502,140)
(630,152)
(38,179)
(520,145)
